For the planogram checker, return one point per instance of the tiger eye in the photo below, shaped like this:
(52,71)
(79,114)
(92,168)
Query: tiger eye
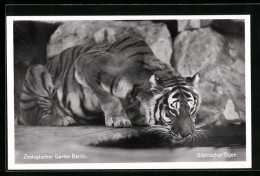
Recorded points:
(176,95)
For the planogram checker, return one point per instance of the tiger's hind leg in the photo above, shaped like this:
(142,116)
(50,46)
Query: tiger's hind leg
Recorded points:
(37,100)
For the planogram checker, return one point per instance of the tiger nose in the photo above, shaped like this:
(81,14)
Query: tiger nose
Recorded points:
(185,133)
(180,133)
(183,130)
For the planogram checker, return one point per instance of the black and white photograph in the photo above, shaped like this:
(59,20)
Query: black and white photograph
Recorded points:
(128,92)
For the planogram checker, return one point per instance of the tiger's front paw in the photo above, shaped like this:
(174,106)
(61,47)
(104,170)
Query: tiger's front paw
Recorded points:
(57,121)
(118,121)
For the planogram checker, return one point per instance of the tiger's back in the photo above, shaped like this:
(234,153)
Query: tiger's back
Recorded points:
(70,97)
(78,101)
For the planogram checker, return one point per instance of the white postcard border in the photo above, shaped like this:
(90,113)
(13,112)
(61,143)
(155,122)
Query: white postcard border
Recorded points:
(151,165)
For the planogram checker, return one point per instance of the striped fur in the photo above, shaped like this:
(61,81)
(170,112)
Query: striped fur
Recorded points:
(124,82)
(175,110)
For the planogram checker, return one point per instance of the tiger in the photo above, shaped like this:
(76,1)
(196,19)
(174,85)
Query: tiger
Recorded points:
(123,83)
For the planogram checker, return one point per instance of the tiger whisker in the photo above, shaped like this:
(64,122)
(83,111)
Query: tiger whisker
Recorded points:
(189,139)
(198,139)
(169,135)
(155,128)
(195,138)
(161,131)
(199,125)
(165,137)
(164,133)
(161,134)
(202,133)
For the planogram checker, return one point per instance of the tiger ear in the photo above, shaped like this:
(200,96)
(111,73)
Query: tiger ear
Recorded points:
(155,83)
(194,81)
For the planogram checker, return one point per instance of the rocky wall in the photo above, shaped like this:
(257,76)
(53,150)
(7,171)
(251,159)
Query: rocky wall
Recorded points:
(73,33)
(217,51)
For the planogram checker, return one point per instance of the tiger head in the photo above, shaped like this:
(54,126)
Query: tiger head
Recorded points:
(175,106)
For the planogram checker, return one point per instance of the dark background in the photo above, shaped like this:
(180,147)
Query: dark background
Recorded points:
(196,9)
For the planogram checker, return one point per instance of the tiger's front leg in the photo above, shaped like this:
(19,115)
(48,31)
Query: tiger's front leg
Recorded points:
(88,73)
(115,115)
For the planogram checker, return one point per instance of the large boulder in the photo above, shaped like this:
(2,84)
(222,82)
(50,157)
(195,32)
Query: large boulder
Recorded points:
(220,60)
(73,33)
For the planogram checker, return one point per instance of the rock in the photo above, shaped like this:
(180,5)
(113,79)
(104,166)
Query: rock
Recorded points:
(188,24)
(205,23)
(73,33)
(230,112)
(220,60)
(192,24)
(194,51)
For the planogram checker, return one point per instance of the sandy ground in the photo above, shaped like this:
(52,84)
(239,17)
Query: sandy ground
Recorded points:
(91,144)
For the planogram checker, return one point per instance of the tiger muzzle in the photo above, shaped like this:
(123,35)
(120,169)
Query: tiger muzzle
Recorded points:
(183,125)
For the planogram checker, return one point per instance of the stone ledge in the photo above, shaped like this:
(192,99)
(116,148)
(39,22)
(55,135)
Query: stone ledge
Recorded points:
(119,145)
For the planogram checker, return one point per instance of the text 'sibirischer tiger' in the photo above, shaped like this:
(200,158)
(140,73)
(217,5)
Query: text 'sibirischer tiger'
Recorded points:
(123,82)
